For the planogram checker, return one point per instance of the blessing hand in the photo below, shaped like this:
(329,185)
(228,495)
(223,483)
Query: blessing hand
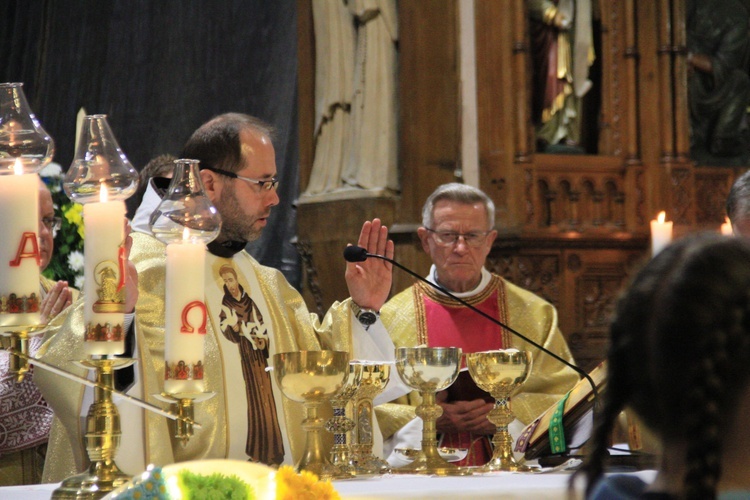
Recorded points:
(369,282)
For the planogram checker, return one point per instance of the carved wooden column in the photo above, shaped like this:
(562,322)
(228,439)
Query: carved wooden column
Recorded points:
(681,109)
(632,152)
(664,55)
(520,55)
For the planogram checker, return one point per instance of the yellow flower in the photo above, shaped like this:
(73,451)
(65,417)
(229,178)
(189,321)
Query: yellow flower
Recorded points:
(302,486)
(74,215)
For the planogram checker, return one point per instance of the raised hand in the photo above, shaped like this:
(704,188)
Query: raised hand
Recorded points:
(369,282)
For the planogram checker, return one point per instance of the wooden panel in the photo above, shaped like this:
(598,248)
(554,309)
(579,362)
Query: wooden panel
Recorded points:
(495,49)
(305,89)
(429,100)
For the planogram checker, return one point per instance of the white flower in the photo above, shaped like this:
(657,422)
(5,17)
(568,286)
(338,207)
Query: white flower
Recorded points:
(79,282)
(75,260)
(51,170)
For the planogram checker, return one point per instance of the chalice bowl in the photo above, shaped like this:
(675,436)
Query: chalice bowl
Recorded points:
(312,378)
(375,377)
(340,424)
(501,373)
(428,370)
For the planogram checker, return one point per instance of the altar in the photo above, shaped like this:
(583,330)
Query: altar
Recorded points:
(506,485)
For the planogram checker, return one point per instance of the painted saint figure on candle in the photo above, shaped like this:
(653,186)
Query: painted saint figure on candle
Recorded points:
(242,323)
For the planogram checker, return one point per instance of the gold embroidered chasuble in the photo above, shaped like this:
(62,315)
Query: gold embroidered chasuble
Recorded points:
(290,324)
(404,317)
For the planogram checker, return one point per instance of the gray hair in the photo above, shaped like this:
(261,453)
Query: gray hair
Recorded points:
(738,201)
(459,193)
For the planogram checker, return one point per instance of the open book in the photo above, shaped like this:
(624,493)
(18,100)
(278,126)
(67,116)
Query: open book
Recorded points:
(577,420)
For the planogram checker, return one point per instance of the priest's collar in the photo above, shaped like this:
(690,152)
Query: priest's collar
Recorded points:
(486,277)
(226,249)
(157,188)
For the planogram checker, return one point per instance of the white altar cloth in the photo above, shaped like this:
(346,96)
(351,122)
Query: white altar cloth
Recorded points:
(504,485)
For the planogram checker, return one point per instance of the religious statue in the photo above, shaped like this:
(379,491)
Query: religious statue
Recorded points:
(355,97)
(718,82)
(562,53)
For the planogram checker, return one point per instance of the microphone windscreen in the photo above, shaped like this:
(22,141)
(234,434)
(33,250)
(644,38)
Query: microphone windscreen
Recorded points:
(355,254)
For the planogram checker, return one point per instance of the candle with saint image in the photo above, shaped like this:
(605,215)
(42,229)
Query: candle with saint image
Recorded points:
(104,275)
(726,228)
(185,316)
(661,233)
(19,249)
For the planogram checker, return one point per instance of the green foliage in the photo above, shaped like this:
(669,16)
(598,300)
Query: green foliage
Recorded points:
(215,486)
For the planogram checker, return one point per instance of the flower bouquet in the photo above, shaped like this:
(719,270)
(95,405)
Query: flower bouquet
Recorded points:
(224,480)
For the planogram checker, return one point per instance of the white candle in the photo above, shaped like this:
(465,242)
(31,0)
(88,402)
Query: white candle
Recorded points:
(103,276)
(19,249)
(661,233)
(726,228)
(185,316)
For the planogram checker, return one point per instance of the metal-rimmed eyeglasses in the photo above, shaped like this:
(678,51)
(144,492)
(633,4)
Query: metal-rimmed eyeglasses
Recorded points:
(448,238)
(264,184)
(52,223)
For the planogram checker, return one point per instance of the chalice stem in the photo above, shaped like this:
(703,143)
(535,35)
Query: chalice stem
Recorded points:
(314,459)
(502,458)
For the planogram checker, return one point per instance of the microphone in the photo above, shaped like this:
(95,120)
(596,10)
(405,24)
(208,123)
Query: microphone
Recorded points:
(358,254)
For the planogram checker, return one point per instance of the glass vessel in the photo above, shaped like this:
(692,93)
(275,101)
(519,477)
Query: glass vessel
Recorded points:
(21,135)
(185,212)
(99,164)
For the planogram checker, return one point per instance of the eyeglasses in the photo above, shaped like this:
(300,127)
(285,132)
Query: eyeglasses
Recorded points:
(52,223)
(264,184)
(448,238)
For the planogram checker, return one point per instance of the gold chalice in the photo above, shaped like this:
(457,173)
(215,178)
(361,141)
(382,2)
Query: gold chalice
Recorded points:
(312,378)
(340,425)
(375,377)
(501,373)
(428,370)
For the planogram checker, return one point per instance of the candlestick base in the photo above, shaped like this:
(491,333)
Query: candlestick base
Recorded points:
(17,340)
(185,402)
(103,434)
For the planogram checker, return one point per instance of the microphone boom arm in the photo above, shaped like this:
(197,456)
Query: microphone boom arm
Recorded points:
(494,320)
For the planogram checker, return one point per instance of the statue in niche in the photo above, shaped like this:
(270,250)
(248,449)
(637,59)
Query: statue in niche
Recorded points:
(718,81)
(562,48)
(355,99)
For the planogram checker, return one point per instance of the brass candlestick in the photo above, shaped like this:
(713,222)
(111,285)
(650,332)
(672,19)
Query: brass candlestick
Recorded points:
(375,377)
(428,370)
(312,378)
(103,433)
(184,402)
(17,341)
(501,373)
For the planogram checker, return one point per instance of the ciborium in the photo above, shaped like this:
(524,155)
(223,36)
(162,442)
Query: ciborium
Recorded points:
(501,373)
(428,370)
(312,378)
(375,377)
(340,425)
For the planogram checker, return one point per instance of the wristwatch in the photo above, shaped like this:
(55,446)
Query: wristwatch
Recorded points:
(365,316)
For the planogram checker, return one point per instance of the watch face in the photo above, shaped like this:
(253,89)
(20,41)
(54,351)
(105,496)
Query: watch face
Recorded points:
(367,318)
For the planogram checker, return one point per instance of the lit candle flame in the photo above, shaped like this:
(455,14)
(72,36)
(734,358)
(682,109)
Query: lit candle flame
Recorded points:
(185,234)
(660,218)
(102,193)
(18,167)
